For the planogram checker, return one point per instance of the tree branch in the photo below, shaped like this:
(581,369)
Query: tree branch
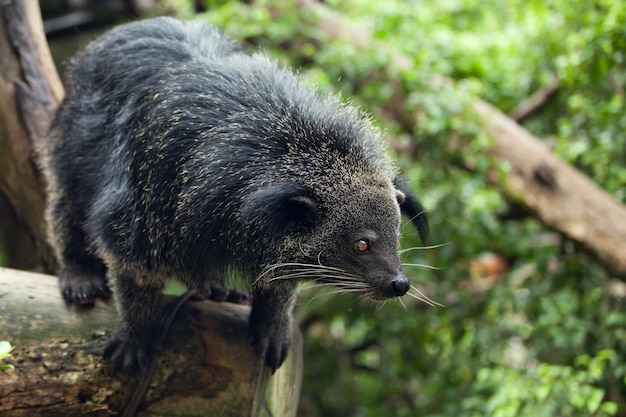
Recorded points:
(536,101)
(206,368)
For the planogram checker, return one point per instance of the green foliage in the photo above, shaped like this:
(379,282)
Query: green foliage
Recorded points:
(546,389)
(548,336)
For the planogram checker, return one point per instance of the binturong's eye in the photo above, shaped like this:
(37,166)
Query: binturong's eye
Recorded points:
(362,246)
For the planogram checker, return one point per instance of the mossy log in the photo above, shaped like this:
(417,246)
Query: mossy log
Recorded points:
(206,366)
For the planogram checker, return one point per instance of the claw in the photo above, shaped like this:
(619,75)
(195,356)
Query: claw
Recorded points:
(217,292)
(127,355)
(82,288)
(273,349)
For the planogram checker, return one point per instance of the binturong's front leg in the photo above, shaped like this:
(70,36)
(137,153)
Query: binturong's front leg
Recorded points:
(138,302)
(271,322)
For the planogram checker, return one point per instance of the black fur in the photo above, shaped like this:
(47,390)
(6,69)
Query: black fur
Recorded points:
(174,153)
(412,208)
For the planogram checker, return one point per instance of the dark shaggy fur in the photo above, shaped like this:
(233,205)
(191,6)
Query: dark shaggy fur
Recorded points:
(175,154)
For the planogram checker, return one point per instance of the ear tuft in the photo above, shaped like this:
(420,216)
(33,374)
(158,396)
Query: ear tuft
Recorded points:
(400,196)
(412,208)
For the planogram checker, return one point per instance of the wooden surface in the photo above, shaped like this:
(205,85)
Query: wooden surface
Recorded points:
(30,90)
(207,367)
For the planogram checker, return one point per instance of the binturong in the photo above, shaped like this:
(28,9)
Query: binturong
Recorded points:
(177,154)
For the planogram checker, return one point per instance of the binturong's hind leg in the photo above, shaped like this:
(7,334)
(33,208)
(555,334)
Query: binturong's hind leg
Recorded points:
(81,274)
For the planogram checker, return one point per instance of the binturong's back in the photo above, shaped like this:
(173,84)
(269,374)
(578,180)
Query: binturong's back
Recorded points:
(177,153)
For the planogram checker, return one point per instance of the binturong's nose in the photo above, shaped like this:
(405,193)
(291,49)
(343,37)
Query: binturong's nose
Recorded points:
(398,286)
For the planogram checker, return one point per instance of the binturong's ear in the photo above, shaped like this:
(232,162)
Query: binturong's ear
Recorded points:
(279,209)
(412,208)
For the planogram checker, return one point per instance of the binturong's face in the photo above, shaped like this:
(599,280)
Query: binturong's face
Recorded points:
(348,237)
(360,248)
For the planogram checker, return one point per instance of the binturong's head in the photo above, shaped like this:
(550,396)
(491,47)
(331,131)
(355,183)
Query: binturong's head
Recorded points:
(345,234)
(363,240)
(328,208)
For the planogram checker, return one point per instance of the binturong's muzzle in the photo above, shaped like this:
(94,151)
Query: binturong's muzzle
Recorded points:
(398,286)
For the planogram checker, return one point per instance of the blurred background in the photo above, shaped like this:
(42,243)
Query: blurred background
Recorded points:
(531,323)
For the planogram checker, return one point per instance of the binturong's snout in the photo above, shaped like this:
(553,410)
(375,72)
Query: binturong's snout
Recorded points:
(398,286)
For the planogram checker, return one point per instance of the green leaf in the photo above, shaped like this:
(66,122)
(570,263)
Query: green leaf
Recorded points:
(595,399)
(5,349)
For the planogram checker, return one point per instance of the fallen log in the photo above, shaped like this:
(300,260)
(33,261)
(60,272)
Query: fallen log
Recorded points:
(207,366)
(559,195)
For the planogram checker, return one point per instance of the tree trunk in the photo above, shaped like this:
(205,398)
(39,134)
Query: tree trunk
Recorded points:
(30,91)
(207,366)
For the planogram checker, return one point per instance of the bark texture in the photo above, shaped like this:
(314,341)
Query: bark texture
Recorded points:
(207,366)
(30,91)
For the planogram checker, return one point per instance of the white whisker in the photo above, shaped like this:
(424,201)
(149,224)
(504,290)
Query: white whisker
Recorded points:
(298,271)
(315,275)
(424,247)
(381,305)
(312,286)
(413,218)
(423,300)
(336,291)
(423,266)
(344,290)
(423,297)
(343,281)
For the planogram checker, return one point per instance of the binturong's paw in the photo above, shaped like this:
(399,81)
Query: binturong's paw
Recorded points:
(216,291)
(270,343)
(128,354)
(82,288)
